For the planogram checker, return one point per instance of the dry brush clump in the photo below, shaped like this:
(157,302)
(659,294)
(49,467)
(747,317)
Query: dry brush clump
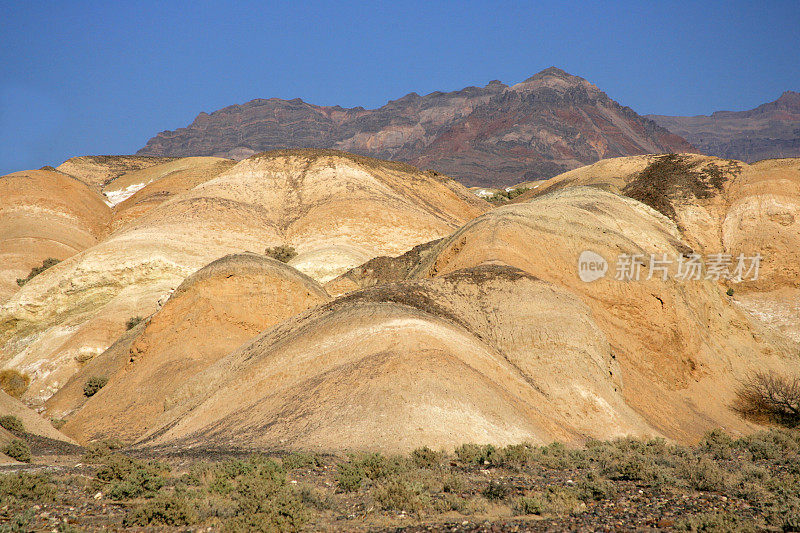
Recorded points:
(12,423)
(35,271)
(283,253)
(13,382)
(768,396)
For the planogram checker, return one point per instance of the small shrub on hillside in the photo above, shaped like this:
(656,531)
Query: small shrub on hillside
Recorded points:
(26,487)
(133,322)
(35,271)
(93,385)
(14,383)
(282,253)
(770,396)
(12,423)
(17,449)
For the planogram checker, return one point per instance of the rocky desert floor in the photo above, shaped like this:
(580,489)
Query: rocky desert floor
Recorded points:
(721,484)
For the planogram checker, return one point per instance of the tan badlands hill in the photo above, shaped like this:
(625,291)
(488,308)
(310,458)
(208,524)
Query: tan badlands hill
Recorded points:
(492,338)
(337,210)
(98,170)
(45,214)
(211,313)
(720,205)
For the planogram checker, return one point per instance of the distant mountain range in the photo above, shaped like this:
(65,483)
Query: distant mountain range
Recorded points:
(495,135)
(770,130)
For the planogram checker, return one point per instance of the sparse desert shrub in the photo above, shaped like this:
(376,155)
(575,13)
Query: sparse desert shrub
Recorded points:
(26,487)
(426,458)
(554,500)
(93,385)
(19,523)
(17,449)
(12,423)
(527,505)
(495,491)
(779,445)
(164,511)
(14,383)
(372,466)
(595,488)
(124,478)
(133,322)
(282,253)
(502,197)
(702,473)
(302,460)
(283,512)
(35,271)
(96,451)
(402,496)
(770,396)
(476,454)
(729,292)
(314,498)
(263,500)
(718,443)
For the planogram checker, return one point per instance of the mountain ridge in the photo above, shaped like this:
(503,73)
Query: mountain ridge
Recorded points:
(496,135)
(770,130)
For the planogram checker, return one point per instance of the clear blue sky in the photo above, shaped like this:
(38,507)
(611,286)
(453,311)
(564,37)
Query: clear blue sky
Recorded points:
(81,78)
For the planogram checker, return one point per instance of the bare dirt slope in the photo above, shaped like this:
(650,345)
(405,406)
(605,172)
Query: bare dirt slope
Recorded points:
(45,214)
(31,421)
(493,338)
(212,312)
(336,209)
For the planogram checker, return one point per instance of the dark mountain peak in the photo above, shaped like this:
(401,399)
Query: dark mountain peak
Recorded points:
(495,83)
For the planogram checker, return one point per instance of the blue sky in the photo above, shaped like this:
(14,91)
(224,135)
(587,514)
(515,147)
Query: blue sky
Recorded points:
(80,78)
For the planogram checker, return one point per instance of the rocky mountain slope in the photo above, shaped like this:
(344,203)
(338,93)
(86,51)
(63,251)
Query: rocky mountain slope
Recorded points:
(771,130)
(495,135)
